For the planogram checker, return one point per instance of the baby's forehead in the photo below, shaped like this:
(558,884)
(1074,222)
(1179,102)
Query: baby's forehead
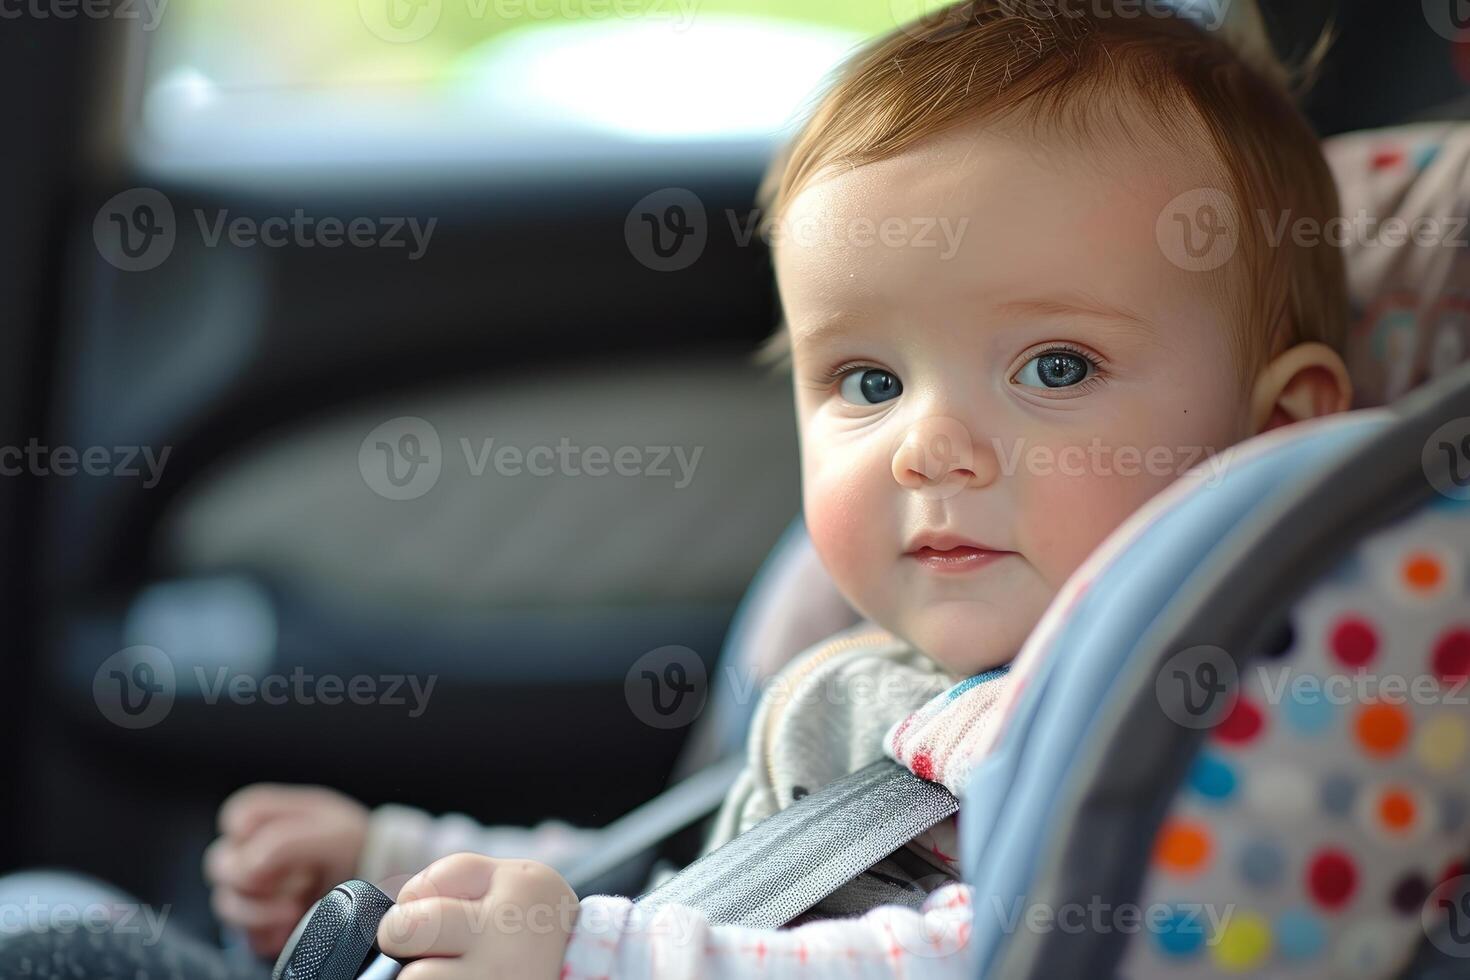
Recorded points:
(997,208)
(1118,151)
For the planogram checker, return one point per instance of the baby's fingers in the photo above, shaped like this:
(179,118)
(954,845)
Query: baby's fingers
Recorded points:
(456,969)
(281,857)
(246,809)
(431,927)
(457,876)
(254,913)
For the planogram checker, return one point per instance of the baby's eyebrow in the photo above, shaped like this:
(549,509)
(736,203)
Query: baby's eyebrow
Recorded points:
(828,328)
(1087,306)
(835,327)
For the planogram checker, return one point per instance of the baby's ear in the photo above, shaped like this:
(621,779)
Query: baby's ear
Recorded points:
(1302,382)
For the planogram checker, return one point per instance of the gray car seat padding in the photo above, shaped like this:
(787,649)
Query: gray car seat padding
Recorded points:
(1235,601)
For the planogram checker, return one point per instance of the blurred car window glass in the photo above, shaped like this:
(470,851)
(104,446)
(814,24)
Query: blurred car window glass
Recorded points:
(283,77)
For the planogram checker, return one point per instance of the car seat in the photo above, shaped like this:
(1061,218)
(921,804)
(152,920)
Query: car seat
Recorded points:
(1207,731)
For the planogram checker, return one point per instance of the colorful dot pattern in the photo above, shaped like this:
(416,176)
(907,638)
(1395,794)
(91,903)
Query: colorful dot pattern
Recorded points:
(1334,796)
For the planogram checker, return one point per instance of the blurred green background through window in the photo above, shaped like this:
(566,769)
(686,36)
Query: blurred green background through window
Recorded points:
(229,71)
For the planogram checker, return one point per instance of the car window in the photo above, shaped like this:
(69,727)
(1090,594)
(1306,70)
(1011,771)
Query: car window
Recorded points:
(354,75)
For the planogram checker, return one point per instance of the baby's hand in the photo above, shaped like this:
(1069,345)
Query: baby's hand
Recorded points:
(279,848)
(470,917)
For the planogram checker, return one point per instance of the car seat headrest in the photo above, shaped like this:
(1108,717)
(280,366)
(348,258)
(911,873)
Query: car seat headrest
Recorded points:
(1406,242)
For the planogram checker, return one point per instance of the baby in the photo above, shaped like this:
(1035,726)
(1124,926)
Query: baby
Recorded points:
(977,410)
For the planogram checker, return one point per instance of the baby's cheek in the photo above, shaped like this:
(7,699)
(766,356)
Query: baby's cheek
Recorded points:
(843,526)
(1065,519)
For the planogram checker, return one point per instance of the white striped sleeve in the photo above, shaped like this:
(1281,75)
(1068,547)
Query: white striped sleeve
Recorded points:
(403,840)
(614,939)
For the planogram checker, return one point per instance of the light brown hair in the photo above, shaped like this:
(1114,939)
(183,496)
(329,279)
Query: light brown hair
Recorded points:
(1219,96)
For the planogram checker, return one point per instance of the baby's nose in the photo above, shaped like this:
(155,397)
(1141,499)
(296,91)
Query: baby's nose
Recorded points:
(937,458)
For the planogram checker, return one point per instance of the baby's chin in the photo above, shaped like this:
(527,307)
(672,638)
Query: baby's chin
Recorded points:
(965,636)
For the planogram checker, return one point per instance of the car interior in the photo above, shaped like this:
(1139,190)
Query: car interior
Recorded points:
(244,395)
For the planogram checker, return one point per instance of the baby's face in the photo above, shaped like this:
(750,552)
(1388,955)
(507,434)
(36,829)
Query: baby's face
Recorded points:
(990,386)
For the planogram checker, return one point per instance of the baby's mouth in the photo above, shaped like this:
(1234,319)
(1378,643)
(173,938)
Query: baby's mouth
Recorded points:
(955,557)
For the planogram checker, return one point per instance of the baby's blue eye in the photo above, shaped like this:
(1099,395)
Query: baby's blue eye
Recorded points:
(1054,369)
(870,386)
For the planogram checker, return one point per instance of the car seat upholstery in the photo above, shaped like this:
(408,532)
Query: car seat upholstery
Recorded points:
(1410,303)
(1324,815)
(1312,833)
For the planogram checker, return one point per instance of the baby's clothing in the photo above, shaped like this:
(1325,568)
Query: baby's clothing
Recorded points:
(824,716)
(836,708)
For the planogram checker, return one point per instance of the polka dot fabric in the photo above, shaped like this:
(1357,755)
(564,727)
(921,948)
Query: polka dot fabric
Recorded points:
(1333,797)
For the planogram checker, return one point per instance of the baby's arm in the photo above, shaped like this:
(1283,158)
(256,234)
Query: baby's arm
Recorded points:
(403,840)
(613,938)
(470,917)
